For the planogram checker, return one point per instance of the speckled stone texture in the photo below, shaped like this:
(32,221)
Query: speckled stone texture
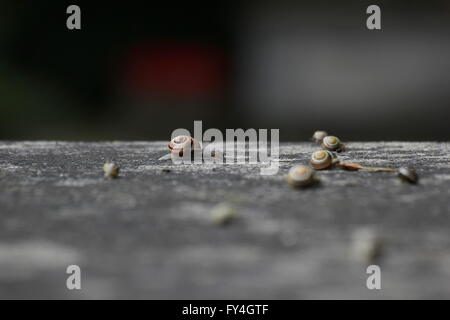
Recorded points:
(149,234)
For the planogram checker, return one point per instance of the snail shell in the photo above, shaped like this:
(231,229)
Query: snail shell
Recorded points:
(111,170)
(223,214)
(182,144)
(321,159)
(332,143)
(301,176)
(408,175)
(318,136)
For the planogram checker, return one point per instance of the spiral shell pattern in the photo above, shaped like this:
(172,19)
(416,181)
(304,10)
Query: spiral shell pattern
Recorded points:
(182,144)
(321,160)
(332,143)
(300,176)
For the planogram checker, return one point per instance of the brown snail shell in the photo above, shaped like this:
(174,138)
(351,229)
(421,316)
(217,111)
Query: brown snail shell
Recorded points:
(318,136)
(408,175)
(332,143)
(182,144)
(322,159)
(301,176)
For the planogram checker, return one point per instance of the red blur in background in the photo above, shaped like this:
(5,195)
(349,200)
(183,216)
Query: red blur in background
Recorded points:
(175,70)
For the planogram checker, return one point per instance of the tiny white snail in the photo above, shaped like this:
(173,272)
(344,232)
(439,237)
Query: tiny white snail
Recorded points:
(408,175)
(332,143)
(223,214)
(318,136)
(301,176)
(111,170)
(182,144)
(322,159)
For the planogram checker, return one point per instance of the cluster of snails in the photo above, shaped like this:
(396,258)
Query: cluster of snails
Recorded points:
(330,143)
(300,175)
(303,176)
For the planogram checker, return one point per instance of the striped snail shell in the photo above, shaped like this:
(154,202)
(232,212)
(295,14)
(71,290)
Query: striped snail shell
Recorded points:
(301,176)
(182,144)
(318,136)
(322,159)
(332,143)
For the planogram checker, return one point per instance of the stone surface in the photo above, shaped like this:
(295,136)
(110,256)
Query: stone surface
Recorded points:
(149,233)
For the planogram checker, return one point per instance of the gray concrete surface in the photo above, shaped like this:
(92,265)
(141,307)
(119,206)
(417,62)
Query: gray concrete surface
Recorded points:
(149,234)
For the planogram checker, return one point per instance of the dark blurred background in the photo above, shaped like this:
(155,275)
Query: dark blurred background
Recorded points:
(138,70)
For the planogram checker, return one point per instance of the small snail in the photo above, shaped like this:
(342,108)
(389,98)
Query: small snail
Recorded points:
(111,170)
(322,159)
(301,176)
(332,143)
(318,136)
(182,144)
(408,175)
(223,214)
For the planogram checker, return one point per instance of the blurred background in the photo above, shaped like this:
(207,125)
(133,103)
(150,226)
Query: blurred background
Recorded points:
(137,70)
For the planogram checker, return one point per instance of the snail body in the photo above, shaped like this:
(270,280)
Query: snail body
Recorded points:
(301,176)
(351,166)
(322,159)
(332,143)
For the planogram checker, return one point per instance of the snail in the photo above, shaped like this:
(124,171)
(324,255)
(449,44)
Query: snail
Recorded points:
(318,136)
(223,214)
(332,143)
(301,176)
(322,159)
(111,170)
(408,175)
(182,144)
(325,159)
